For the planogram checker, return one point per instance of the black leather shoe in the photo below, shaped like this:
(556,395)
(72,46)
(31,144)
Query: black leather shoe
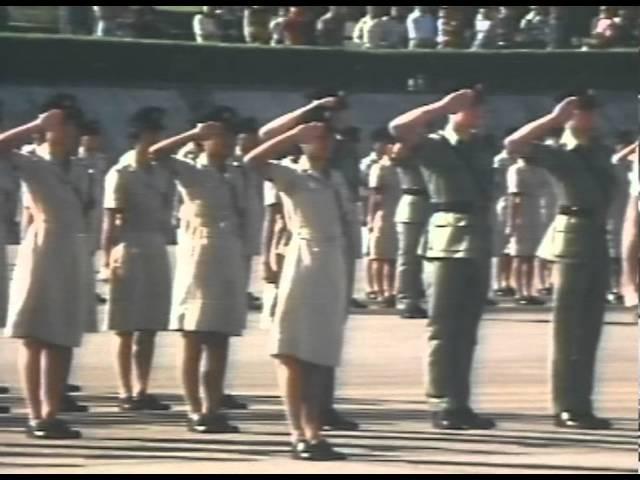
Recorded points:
(490,302)
(447,420)
(254,304)
(211,424)
(150,403)
(55,429)
(414,311)
(336,422)
(4,390)
(230,402)
(300,450)
(388,302)
(504,292)
(614,298)
(69,405)
(472,421)
(546,291)
(322,451)
(584,421)
(530,301)
(71,388)
(4,410)
(357,304)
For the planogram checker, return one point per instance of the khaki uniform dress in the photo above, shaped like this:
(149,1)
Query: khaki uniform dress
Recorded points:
(383,241)
(52,295)
(311,309)
(140,275)
(209,292)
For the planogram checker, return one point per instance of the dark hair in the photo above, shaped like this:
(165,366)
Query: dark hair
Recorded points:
(224,115)
(382,135)
(146,119)
(340,95)
(91,127)
(248,125)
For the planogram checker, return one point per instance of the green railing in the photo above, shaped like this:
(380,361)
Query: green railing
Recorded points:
(47,59)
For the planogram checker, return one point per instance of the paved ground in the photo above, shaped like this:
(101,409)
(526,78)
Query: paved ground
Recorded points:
(381,385)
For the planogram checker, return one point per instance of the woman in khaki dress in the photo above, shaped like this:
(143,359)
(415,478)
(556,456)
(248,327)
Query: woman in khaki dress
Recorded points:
(385,192)
(50,315)
(10,187)
(311,311)
(209,293)
(138,204)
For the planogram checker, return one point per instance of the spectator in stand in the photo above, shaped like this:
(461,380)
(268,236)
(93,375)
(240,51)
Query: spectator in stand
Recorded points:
(421,28)
(205,26)
(298,29)
(73,20)
(353,15)
(229,20)
(375,30)
(330,27)
(112,21)
(255,25)
(559,37)
(276,27)
(626,30)
(603,28)
(534,28)
(147,24)
(485,29)
(450,28)
(506,27)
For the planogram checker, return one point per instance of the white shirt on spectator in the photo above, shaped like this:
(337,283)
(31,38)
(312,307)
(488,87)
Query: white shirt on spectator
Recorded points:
(421,26)
(375,32)
(205,29)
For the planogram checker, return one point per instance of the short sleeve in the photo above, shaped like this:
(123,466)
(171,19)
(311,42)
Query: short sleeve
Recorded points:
(514,180)
(283,177)
(271,196)
(545,156)
(114,189)
(376,175)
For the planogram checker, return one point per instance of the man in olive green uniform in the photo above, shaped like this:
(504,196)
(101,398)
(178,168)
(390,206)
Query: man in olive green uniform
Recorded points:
(458,168)
(411,217)
(577,243)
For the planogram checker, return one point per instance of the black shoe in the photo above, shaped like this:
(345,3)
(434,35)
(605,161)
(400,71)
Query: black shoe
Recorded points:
(414,311)
(322,451)
(388,302)
(69,405)
(300,450)
(614,298)
(357,304)
(530,301)
(504,292)
(55,429)
(230,402)
(585,421)
(546,291)
(490,302)
(372,296)
(100,300)
(128,404)
(336,422)
(71,388)
(4,390)
(472,421)
(150,403)
(211,424)
(447,420)
(254,303)
(4,410)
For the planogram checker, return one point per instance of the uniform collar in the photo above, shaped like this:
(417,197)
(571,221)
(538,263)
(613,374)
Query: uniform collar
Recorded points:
(569,141)
(452,136)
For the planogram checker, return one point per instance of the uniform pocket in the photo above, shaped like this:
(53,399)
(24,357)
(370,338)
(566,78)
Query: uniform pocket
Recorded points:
(449,233)
(572,237)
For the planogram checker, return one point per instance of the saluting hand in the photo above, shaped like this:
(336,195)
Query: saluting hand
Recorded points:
(205,131)
(309,131)
(563,112)
(51,120)
(458,101)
